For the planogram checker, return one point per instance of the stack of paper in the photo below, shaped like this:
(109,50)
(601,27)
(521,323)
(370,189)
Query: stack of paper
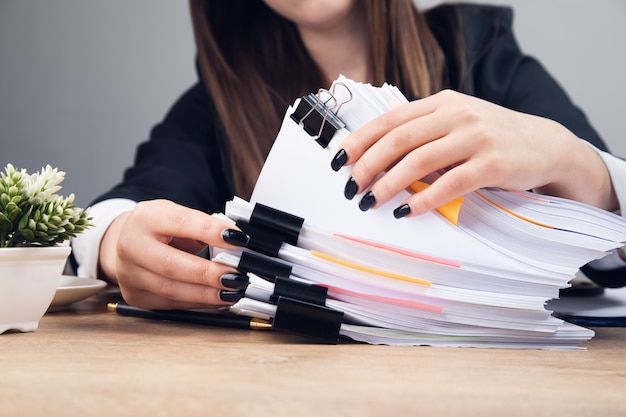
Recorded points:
(477,272)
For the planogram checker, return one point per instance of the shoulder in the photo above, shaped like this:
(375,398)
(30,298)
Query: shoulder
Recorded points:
(194,110)
(479,24)
(472,16)
(469,33)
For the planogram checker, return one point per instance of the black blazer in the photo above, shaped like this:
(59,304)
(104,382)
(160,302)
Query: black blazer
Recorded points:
(182,160)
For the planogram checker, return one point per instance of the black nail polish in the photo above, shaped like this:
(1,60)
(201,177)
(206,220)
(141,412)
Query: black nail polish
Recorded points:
(401,211)
(368,201)
(235,281)
(339,160)
(231,296)
(235,237)
(351,188)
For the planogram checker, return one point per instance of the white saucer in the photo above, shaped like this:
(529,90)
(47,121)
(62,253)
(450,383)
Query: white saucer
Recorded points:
(72,289)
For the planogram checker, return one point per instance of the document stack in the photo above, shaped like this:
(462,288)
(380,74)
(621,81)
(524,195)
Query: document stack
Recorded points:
(476,272)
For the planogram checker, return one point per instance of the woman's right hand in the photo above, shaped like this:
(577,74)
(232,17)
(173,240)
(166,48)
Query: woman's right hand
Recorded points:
(150,252)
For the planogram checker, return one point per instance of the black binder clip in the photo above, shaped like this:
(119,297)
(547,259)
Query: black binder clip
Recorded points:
(267,268)
(310,293)
(287,224)
(262,240)
(312,320)
(318,116)
(268,228)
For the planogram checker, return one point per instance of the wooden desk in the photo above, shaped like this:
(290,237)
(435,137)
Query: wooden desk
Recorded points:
(89,362)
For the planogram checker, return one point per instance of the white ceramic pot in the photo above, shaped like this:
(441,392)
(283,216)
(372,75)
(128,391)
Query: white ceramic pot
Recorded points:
(29,277)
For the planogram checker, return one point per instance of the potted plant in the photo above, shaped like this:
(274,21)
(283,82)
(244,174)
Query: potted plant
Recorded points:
(35,227)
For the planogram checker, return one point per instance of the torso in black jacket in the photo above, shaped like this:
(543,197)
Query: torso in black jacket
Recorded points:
(182,162)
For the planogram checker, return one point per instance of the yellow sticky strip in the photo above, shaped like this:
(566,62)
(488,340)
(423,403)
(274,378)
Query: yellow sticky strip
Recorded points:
(450,210)
(369,270)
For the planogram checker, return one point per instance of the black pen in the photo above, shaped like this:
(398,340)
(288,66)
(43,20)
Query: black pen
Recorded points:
(591,321)
(193,317)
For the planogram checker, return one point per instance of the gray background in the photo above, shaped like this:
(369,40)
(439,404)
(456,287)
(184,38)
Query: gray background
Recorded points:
(82,82)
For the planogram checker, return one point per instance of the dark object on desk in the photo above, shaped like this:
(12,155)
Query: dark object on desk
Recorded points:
(589,305)
(592,321)
(581,287)
(193,317)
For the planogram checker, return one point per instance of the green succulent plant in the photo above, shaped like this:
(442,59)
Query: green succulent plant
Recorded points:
(31,213)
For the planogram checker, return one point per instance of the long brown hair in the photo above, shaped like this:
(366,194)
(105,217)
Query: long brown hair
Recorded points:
(254,65)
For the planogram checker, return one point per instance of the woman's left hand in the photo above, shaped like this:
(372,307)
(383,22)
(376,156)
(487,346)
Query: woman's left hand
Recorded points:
(474,144)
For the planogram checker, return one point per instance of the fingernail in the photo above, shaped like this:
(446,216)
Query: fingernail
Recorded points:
(368,201)
(235,237)
(339,160)
(235,281)
(401,211)
(351,188)
(231,296)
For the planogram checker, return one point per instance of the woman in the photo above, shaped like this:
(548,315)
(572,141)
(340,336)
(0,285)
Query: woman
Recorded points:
(489,112)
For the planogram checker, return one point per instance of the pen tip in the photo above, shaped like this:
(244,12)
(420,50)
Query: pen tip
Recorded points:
(112,307)
(260,324)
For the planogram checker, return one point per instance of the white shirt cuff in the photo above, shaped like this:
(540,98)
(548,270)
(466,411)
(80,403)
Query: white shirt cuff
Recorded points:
(617,171)
(86,246)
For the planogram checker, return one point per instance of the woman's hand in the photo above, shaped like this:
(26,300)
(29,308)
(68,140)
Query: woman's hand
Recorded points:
(472,143)
(151,253)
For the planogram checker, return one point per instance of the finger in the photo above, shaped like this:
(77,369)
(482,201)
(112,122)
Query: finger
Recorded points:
(169,220)
(144,288)
(419,163)
(355,144)
(164,260)
(397,145)
(151,301)
(457,182)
